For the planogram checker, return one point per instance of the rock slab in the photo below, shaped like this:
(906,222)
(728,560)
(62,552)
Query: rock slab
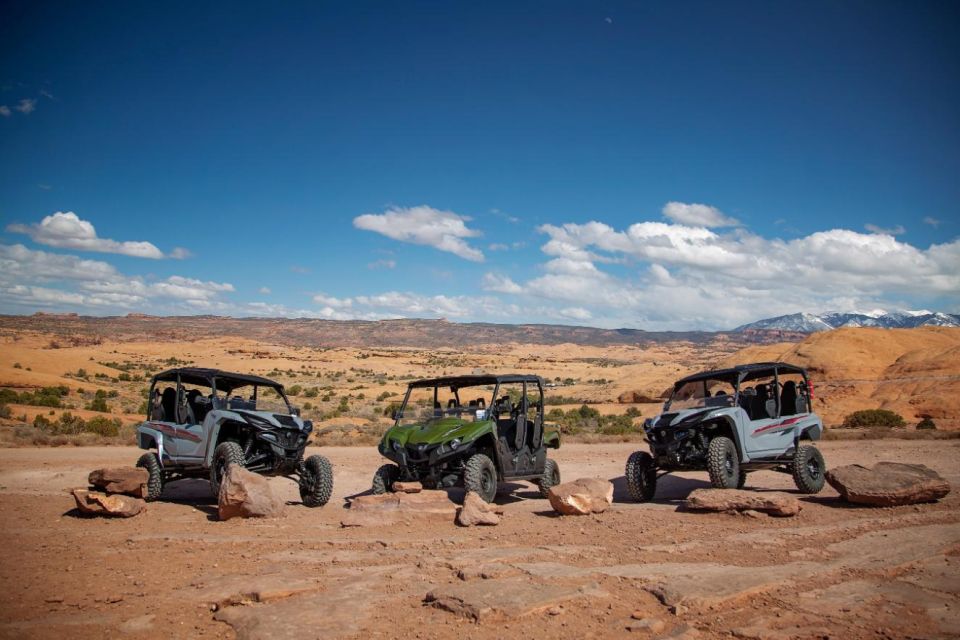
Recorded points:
(729,500)
(581,497)
(407,487)
(94,503)
(131,481)
(477,512)
(389,508)
(506,597)
(888,484)
(244,494)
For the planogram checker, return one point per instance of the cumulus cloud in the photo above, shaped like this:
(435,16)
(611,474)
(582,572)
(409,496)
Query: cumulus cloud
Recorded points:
(382,264)
(264,291)
(700,215)
(66,230)
(442,230)
(930,220)
(29,277)
(500,284)
(895,230)
(5,111)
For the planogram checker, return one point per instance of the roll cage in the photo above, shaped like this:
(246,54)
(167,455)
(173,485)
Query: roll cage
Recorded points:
(216,380)
(456,383)
(736,376)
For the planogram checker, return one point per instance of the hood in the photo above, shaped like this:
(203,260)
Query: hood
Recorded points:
(430,432)
(684,416)
(267,419)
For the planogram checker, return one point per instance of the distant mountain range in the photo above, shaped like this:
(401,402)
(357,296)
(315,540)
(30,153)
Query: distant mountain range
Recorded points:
(811,323)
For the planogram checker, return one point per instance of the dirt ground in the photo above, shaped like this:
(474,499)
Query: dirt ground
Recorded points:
(175,571)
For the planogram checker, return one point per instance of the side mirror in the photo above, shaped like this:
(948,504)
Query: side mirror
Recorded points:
(395,414)
(295,411)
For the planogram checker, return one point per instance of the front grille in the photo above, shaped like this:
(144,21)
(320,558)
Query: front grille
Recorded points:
(666,419)
(419,452)
(285,420)
(289,438)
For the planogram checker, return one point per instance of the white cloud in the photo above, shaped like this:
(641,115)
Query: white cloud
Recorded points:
(896,230)
(264,291)
(576,313)
(330,301)
(442,230)
(933,222)
(700,215)
(500,284)
(26,105)
(498,246)
(67,230)
(382,264)
(179,253)
(5,111)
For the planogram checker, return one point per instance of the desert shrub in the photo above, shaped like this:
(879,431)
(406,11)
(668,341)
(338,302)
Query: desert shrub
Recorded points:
(391,408)
(344,405)
(873,418)
(101,426)
(124,377)
(99,402)
(45,397)
(4,411)
(294,390)
(926,423)
(17,365)
(312,392)
(383,396)
(633,412)
(586,419)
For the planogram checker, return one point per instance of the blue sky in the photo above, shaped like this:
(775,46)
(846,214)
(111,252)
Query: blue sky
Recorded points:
(674,165)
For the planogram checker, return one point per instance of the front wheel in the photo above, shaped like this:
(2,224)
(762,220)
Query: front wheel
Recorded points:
(151,462)
(723,463)
(316,481)
(226,454)
(808,469)
(384,478)
(480,476)
(641,475)
(550,477)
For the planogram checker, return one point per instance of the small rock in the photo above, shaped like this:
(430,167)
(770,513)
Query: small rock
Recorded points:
(407,487)
(244,494)
(752,513)
(93,503)
(888,484)
(477,512)
(738,500)
(554,611)
(581,497)
(648,625)
(53,599)
(131,481)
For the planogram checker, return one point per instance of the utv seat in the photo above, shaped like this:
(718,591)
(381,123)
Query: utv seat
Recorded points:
(168,404)
(759,405)
(790,402)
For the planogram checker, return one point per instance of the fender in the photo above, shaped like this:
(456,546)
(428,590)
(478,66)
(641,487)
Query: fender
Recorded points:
(150,434)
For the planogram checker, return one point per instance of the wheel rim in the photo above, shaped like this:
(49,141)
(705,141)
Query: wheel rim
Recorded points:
(728,464)
(813,468)
(486,482)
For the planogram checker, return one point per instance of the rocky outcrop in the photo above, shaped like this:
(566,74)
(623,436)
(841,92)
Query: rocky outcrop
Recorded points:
(888,484)
(94,503)
(633,397)
(475,511)
(131,481)
(736,500)
(581,497)
(244,494)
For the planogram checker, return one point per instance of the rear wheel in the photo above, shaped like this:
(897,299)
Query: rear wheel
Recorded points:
(742,480)
(550,477)
(641,475)
(480,476)
(384,477)
(226,454)
(808,469)
(723,463)
(151,462)
(316,481)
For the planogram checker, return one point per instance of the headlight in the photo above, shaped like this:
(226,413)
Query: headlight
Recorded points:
(307,426)
(395,445)
(455,443)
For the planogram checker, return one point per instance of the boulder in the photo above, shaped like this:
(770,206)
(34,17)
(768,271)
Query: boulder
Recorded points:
(475,511)
(733,500)
(888,484)
(244,494)
(131,481)
(581,497)
(94,503)
(407,487)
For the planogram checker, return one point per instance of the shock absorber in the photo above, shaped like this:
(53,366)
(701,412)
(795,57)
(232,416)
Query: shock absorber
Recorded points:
(248,446)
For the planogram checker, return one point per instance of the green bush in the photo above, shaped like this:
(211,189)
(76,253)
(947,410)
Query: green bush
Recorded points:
(294,390)
(99,402)
(45,397)
(926,423)
(873,418)
(312,392)
(4,411)
(108,427)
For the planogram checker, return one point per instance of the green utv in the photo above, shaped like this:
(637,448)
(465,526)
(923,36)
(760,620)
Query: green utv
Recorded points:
(473,431)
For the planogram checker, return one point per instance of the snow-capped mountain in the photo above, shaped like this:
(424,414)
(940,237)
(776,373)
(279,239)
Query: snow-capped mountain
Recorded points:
(810,323)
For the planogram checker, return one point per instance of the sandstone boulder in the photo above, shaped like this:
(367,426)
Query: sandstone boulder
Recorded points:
(633,397)
(727,500)
(94,503)
(407,487)
(581,497)
(888,484)
(131,481)
(244,494)
(475,511)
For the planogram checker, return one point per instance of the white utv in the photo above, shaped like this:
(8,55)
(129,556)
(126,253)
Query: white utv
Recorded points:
(199,423)
(730,422)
